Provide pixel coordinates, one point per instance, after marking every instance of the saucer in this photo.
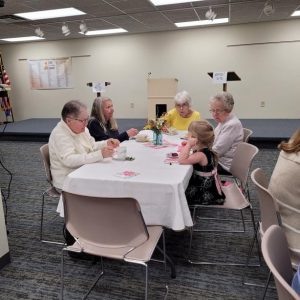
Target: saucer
(119, 158)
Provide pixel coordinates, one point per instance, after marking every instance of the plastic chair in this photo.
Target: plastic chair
(50, 192)
(268, 214)
(112, 228)
(236, 196)
(276, 254)
(247, 134)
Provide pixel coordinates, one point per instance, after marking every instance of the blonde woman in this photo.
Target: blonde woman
(285, 187)
(204, 186)
(102, 124)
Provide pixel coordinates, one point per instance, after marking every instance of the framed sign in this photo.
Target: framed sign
(48, 74)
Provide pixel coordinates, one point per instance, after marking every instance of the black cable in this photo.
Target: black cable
(5, 125)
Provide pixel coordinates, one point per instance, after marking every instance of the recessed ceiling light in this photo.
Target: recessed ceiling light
(167, 2)
(202, 22)
(23, 39)
(51, 13)
(296, 13)
(105, 31)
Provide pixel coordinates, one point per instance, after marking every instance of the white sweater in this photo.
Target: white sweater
(285, 187)
(227, 136)
(69, 151)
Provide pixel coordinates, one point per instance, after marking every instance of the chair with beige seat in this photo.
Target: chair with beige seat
(51, 192)
(247, 134)
(277, 257)
(236, 195)
(112, 228)
(268, 214)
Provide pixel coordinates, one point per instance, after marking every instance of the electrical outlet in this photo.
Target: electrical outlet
(131, 104)
(262, 103)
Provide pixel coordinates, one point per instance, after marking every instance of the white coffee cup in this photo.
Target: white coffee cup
(121, 152)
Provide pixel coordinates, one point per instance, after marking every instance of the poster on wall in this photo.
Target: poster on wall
(48, 74)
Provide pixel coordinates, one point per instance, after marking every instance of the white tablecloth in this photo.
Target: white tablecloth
(159, 187)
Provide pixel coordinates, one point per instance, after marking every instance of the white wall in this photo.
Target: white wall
(270, 71)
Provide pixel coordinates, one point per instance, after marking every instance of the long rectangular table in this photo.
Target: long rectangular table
(158, 186)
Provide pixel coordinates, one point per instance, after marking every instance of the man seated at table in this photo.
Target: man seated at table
(182, 115)
(71, 145)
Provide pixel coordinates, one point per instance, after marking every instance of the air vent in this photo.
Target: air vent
(8, 19)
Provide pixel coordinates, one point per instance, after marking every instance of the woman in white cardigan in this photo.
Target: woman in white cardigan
(285, 187)
(71, 145)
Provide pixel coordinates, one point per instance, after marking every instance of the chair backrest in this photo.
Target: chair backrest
(277, 257)
(242, 160)
(110, 222)
(46, 160)
(267, 206)
(247, 134)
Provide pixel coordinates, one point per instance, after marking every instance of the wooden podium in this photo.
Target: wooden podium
(161, 92)
(231, 76)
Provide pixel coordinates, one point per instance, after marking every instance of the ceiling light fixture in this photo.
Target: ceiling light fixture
(202, 22)
(23, 39)
(296, 13)
(83, 28)
(65, 30)
(168, 2)
(51, 13)
(106, 31)
(39, 32)
(269, 8)
(210, 14)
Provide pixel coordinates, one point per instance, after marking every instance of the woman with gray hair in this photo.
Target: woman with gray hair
(71, 145)
(229, 131)
(182, 115)
(102, 124)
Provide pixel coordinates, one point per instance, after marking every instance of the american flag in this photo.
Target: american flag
(4, 99)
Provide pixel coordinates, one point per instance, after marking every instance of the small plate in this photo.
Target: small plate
(118, 158)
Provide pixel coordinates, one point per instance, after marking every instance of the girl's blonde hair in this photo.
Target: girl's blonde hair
(293, 145)
(204, 132)
(97, 113)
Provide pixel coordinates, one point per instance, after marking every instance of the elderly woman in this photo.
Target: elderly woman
(182, 115)
(102, 124)
(285, 187)
(71, 145)
(229, 131)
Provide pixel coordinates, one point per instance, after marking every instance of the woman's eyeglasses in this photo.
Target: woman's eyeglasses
(83, 121)
(216, 111)
(181, 105)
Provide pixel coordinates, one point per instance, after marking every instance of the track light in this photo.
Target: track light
(2, 3)
(83, 28)
(269, 8)
(65, 29)
(39, 32)
(210, 14)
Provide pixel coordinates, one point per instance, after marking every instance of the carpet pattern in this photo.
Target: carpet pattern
(34, 272)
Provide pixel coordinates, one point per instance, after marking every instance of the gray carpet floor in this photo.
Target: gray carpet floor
(34, 272)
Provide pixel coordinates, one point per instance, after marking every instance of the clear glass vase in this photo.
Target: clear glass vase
(157, 138)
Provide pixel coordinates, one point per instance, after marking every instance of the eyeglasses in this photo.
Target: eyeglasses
(216, 111)
(84, 121)
(181, 105)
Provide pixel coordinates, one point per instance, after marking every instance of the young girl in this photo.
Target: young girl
(204, 186)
